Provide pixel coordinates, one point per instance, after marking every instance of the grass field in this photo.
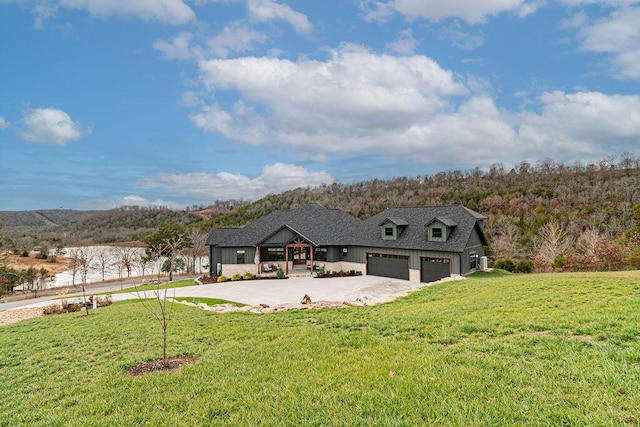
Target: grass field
(495, 349)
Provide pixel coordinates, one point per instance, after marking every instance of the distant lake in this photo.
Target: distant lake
(112, 256)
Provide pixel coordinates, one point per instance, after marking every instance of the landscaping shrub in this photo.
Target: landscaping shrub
(236, 277)
(248, 276)
(523, 266)
(504, 264)
(280, 273)
(222, 279)
(104, 301)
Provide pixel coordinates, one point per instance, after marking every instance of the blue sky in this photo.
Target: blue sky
(105, 103)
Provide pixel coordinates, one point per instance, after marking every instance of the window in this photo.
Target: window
(388, 231)
(344, 252)
(320, 254)
(239, 257)
(275, 254)
(436, 233)
(473, 260)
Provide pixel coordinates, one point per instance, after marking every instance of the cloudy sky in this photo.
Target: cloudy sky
(106, 103)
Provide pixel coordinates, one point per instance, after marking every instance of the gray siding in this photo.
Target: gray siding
(281, 238)
(473, 245)
(230, 256)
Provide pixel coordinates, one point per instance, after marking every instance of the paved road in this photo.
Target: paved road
(370, 289)
(10, 303)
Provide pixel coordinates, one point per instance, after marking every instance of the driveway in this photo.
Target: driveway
(369, 289)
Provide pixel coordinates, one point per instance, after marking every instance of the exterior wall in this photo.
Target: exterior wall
(391, 225)
(414, 275)
(359, 255)
(231, 269)
(230, 256)
(345, 266)
(473, 245)
(282, 237)
(437, 224)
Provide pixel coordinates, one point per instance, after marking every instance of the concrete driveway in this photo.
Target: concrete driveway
(369, 289)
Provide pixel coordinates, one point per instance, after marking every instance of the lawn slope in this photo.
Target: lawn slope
(495, 349)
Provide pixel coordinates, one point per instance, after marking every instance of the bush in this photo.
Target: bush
(505, 264)
(104, 301)
(248, 276)
(236, 277)
(25, 254)
(280, 273)
(222, 279)
(73, 307)
(524, 266)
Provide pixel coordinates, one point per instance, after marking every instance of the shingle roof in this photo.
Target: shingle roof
(415, 236)
(322, 226)
(448, 222)
(400, 222)
(333, 227)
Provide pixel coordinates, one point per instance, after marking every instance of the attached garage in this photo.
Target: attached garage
(434, 269)
(385, 265)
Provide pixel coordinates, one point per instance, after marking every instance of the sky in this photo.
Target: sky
(106, 103)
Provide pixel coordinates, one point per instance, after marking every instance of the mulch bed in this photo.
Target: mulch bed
(172, 364)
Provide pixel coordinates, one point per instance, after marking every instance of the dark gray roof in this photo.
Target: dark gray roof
(414, 235)
(322, 226)
(400, 222)
(448, 222)
(333, 227)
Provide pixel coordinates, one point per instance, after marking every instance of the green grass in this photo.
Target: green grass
(496, 349)
(208, 301)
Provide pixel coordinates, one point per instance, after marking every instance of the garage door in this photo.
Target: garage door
(396, 266)
(434, 269)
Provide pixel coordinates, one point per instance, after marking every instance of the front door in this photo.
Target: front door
(300, 255)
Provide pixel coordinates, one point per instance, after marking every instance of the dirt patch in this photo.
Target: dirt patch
(21, 263)
(18, 315)
(172, 364)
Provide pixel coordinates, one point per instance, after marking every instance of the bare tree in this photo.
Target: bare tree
(103, 261)
(126, 257)
(85, 257)
(196, 250)
(552, 241)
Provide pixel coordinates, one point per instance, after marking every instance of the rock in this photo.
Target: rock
(306, 299)
(264, 305)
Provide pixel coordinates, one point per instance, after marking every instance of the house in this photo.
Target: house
(421, 244)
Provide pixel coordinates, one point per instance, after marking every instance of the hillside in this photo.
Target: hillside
(581, 207)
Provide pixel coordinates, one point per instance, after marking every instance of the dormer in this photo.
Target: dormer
(391, 228)
(439, 229)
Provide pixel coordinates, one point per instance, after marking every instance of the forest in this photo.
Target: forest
(543, 216)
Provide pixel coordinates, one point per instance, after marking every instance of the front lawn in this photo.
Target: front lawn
(496, 349)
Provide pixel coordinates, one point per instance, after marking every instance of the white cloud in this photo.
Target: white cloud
(178, 48)
(403, 107)
(172, 12)
(235, 37)
(619, 36)
(3, 123)
(130, 200)
(50, 125)
(206, 187)
(471, 11)
(582, 123)
(406, 44)
(268, 10)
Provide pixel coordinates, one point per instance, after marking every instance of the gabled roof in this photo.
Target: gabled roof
(333, 227)
(320, 225)
(399, 222)
(448, 222)
(414, 235)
